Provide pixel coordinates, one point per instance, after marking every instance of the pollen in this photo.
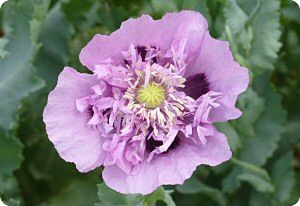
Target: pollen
(153, 95)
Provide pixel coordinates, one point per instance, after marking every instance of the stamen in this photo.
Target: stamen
(154, 99)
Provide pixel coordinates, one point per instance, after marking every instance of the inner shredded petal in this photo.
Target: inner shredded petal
(141, 106)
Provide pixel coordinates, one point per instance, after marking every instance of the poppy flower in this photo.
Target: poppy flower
(147, 109)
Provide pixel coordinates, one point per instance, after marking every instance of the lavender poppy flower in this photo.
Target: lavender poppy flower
(147, 112)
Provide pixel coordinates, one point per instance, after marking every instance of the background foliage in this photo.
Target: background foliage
(39, 37)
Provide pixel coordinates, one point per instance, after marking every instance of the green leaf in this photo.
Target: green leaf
(295, 196)
(268, 127)
(108, 15)
(10, 154)
(291, 136)
(256, 32)
(164, 6)
(291, 12)
(231, 134)
(200, 6)
(110, 197)
(252, 106)
(259, 145)
(159, 194)
(9, 189)
(12, 202)
(260, 184)
(230, 183)
(238, 35)
(259, 199)
(47, 169)
(82, 18)
(194, 186)
(257, 177)
(53, 55)
(236, 18)
(266, 35)
(18, 78)
(10, 160)
(3, 43)
(283, 175)
(78, 193)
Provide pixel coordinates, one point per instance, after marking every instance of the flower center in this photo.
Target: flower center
(153, 95)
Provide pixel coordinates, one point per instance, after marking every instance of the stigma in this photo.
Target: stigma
(152, 95)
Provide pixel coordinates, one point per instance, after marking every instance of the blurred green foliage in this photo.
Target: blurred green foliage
(41, 36)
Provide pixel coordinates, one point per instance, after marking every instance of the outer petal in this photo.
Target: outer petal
(146, 31)
(66, 127)
(223, 74)
(168, 169)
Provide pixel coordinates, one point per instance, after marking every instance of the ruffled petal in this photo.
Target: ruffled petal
(145, 31)
(223, 75)
(171, 168)
(67, 127)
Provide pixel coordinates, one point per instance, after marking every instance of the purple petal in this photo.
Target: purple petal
(67, 127)
(223, 74)
(171, 168)
(145, 31)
